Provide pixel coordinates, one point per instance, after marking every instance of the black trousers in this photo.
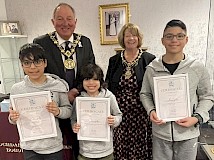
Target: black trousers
(31, 155)
(69, 137)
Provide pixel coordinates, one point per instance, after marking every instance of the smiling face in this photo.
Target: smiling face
(130, 40)
(175, 44)
(91, 86)
(64, 21)
(35, 72)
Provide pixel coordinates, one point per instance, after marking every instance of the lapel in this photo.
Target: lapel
(118, 68)
(79, 54)
(139, 69)
(57, 57)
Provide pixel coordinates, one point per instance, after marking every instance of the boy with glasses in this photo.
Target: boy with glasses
(33, 60)
(178, 139)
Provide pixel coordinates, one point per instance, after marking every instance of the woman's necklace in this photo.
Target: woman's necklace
(130, 65)
(68, 63)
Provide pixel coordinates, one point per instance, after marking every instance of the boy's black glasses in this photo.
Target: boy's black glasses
(36, 63)
(179, 36)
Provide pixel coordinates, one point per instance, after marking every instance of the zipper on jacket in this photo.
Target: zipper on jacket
(172, 131)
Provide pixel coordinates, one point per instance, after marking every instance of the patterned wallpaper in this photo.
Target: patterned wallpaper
(150, 15)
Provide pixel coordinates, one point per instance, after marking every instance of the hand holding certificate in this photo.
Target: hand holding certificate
(34, 122)
(172, 97)
(92, 116)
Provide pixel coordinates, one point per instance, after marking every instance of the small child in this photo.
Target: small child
(32, 57)
(92, 85)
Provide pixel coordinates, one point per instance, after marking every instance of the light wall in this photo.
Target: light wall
(3, 15)
(210, 46)
(150, 15)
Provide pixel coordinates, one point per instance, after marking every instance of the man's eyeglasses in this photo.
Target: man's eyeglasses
(179, 36)
(37, 63)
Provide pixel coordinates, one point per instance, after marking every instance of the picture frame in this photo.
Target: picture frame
(9, 28)
(112, 18)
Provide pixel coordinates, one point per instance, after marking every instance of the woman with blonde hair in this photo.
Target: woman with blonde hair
(132, 139)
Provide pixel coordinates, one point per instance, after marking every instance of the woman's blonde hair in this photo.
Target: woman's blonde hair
(134, 30)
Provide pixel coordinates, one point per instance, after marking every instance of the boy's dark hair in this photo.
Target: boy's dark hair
(91, 71)
(31, 51)
(175, 23)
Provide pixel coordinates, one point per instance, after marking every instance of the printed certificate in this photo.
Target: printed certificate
(172, 97)
(92, 116)
(35, 122)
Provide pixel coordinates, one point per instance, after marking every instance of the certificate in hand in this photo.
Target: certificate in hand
(34, 122)
(172, 97)
(92, 116)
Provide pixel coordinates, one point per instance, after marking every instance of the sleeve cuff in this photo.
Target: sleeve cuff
(151, 111)
(198, 116)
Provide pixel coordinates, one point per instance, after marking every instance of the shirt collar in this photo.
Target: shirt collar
(61, 41)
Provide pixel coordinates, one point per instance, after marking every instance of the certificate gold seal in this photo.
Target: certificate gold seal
(69, 64)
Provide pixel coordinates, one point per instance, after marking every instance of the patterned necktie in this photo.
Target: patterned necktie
(69, 73)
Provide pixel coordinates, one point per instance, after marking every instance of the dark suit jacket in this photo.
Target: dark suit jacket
(84, 56)
(115, 70)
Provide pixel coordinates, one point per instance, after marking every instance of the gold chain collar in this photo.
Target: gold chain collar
(68, 63)
(129, 65)
(73, 45)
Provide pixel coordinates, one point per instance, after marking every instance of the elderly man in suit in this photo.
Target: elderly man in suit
(66, 53)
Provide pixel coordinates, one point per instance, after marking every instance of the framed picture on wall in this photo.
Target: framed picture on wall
(9, 28)
(112, 18)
